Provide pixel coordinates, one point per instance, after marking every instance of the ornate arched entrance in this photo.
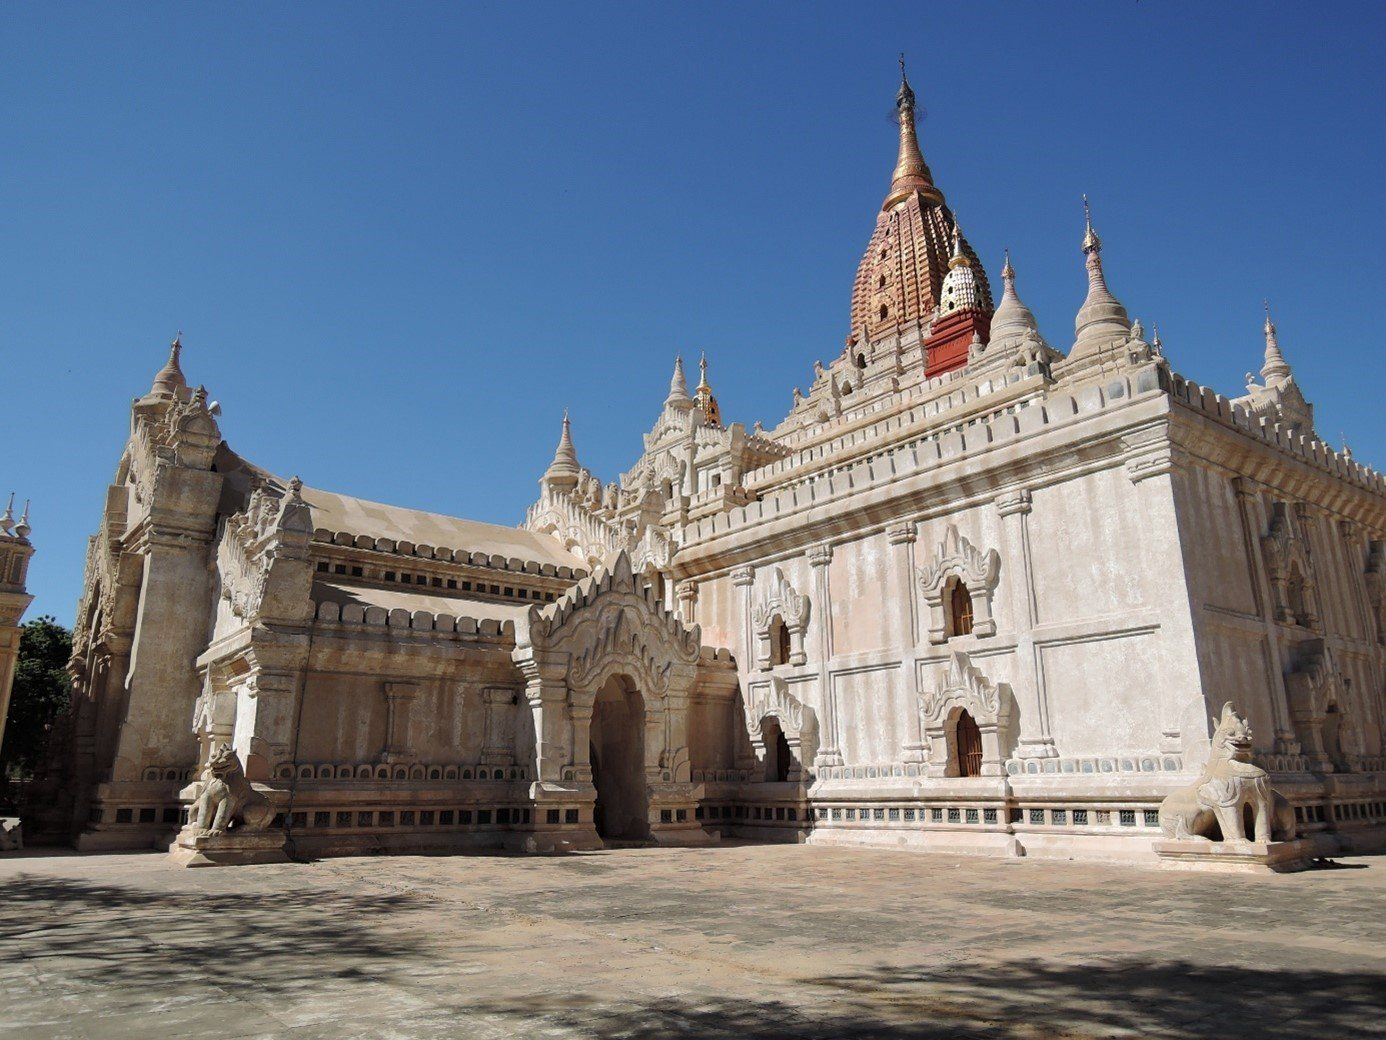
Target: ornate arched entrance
(616, 748)
(608, 677)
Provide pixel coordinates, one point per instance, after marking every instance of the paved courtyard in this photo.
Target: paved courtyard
(750, 942)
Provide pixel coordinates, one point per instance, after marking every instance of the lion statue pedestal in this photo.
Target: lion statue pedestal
(228, 821)
(1230, 818)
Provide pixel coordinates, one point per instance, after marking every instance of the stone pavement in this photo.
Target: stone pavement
(751, 942)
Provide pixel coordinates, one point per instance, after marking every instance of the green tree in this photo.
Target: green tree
(42, 691)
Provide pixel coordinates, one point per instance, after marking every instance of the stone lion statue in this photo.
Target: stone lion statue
(227, 797)
(1230, 793)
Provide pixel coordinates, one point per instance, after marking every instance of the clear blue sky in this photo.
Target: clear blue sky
(400, 239)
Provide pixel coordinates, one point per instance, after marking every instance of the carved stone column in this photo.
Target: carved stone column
(1015, 507)
(687, 594)
(265, 718)
(1286, 741)
(902, 537)
(498, 705)
(580, 710)
(743, 578)
(399, 697)
(819, 557)
(546, 693)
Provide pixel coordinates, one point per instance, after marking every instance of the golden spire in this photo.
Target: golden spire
(959, 258)
(911, 172)
(703, 396)
(1091, 243)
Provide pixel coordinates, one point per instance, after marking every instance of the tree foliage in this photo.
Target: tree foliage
(41, 693)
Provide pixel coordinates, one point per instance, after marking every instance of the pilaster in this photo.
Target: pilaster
(819, 557)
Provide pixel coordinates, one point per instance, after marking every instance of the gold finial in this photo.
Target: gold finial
(1091, 243)
(1007, 271)
(911, 172)
(959, 258)
(1269, 325)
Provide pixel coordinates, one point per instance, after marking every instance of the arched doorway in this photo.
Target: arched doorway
(778, 758)
(967, 738)
(617, 755)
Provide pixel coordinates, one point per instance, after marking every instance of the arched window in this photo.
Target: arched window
(861, 360)
(967, 741)
(885, 312)
(779, 642)
(959, 610)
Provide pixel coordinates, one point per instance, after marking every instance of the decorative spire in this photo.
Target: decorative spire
(1091, 243)
(7, 521)
(911, 172)
(1276, 369)
(959, 289)
(22, 528)
(1012, 319)
(678, 387)
(959, 258)
(704, 398)
(1102, 318)
(169, 380)
(563, 470)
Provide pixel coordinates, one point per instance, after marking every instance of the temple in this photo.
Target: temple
(980, 590)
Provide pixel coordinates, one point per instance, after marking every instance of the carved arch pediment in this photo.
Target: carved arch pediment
(609, 624)
(780, 600)
(963, 687)
(1288, 567)
(771, 699)
(955, 558)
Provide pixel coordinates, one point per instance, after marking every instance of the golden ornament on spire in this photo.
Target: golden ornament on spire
(911, 172)
(703, 398)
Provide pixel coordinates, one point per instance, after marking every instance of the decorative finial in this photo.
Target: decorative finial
(7, 520)
(1347, 451)
(1276, 367)
(678, 386)
(295, 486)
(959, 258)
(911, 173)
(1007, 271)
(22, 528)
(563, 470)
(1155, 343)
(1091, 243)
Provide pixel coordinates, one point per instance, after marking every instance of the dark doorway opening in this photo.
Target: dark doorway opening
(617, 755)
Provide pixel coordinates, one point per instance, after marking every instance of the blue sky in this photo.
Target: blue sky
(401, 239)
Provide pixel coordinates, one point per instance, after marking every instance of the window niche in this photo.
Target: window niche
(780, 620)
(967, 722)
(958, 585)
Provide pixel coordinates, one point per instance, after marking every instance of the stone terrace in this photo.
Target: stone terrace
(751, 942)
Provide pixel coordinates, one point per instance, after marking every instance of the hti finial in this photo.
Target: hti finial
(1007, 271)
(1091, 243)
(905, 98)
